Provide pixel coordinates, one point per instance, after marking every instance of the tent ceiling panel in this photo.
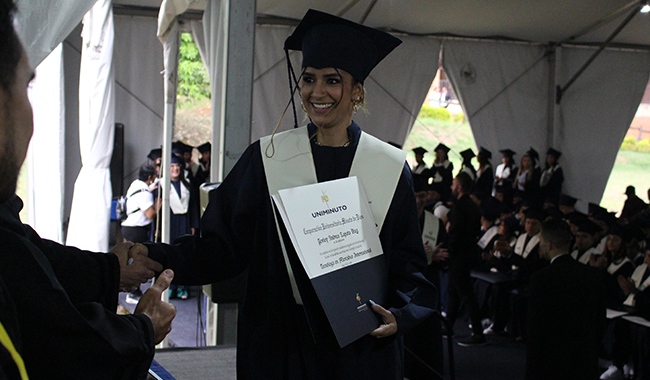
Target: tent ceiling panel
(549, 21)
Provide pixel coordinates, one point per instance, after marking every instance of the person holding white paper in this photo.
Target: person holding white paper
(283, 330)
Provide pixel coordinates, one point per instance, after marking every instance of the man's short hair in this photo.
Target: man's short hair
(558, 233)
(10, 48)
(465, 182)
(146, 171)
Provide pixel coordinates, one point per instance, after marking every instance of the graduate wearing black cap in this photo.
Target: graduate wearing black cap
(442, 170)
(284, 332)
(585, 241)
(155, 156)
(506, 171)
(484, 174)
(421, 166)
(552, 176)
(527, 178)
(467, 166)
(203, 172)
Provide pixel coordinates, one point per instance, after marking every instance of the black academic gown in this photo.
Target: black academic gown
(8, 366)
(484, 181)
(65, 301)
(553, 188)
(566, 313)
(274, 336)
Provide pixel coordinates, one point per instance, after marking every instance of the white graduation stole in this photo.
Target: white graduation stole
(584, 259)
(430, 230)
(179, 205)
(438, 178)
(471, 175)
(525, 251)
(613, 267)
(547, 174)
(487, 236)
(377, 165)
(637, 276)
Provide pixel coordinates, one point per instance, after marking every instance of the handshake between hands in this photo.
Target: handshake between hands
(136, 268)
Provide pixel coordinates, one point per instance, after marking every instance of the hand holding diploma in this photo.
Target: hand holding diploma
(389, 325)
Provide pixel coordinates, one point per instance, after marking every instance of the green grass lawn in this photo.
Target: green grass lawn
(631, 168)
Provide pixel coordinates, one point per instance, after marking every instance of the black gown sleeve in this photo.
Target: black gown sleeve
(413, 296)
(228, 228)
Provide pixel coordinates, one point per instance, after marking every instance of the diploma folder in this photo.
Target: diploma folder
(335, 237)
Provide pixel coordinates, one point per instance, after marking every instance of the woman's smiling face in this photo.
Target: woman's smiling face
(327, 95)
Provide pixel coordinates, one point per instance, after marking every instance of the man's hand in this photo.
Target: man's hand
(626, 284)
(161, 313)
(135, 266)
(389, 327)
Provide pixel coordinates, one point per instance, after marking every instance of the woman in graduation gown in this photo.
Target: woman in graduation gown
(280, 337)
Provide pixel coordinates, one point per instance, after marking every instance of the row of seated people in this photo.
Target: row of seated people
(509, 248)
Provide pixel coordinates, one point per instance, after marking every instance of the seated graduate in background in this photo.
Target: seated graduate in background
(614, 263)
(58, 303)
(566, 312)
(283, 330)
(625, 342)
(585, 240)
(423, 344)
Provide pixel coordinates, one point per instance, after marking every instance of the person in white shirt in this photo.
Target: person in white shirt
(140, 211)
(140, 207)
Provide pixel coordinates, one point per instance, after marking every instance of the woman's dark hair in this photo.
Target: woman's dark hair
(146, 170)
(10, 48)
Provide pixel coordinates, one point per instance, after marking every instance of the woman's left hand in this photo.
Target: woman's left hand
(389, 327)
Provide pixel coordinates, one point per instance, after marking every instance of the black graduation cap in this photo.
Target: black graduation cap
(567, 200)
(554, 213)
(205, 147)
(179, 147)
(176, 159)
(467, 154)
(484, 152)
(507, 153)
(576, 218)
(532, 153)
(419, 150)
(512, 224)
(589, 227)
(554, 153)
(619, 230)
(155, 154)
(330, 41)
(535, 213)
(443, 147)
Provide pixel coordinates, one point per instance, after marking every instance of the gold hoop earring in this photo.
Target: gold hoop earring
(303, 107)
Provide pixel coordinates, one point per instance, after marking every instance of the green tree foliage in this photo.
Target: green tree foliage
(193, 82)
(631, 144)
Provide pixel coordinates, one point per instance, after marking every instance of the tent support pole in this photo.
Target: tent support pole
(561, 90)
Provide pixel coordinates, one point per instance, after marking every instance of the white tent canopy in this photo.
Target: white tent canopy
(505, 60)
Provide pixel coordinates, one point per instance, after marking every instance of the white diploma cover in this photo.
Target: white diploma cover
(333, 231)
(330, 225)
